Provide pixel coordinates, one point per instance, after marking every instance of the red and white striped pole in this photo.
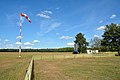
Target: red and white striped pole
(20, 37)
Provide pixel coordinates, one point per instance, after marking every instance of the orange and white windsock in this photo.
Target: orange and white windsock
(26, 16)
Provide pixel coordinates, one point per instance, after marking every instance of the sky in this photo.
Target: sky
(55, 23)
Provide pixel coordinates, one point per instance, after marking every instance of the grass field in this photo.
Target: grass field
(60, 66)
(12, 67)
(93, 68)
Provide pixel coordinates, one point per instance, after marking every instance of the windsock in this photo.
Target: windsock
(26, 16)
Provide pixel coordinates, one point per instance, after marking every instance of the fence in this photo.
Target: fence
(28, 75)
(63, 56)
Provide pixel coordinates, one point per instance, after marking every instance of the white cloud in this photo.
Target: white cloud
(49, 12)
(101, 28)
(28, 44)
(57, 33)
(40, 34)
(28, 47)
(18, 43)
(70, 44)
(74, 27)
(36, 41)
(36, 48)
(48, 26)
(113, 16)
(53, 26)
(49, 42)
(96, 35)
(101, 21)
(6, 40)
(9, 46)
(19, 37)
(57, 8)
(44, 16)
(65, 37)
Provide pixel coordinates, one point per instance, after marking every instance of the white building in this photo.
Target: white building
(92, 51)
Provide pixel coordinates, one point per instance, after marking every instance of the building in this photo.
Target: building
(92, 51)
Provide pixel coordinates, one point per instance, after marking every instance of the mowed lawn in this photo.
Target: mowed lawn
(12, 67)
(89, 68)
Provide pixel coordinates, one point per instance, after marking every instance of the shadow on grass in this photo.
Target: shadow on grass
(32, 75)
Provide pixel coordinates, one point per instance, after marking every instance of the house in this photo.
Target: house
(92, 51)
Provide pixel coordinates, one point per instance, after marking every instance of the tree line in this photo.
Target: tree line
(67, 49)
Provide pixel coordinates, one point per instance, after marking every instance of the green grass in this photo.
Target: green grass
(87, 68)
(12, 67)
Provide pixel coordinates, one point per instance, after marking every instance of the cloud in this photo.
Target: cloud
(28, 44)
(28, 47)
(66, 37)
(49, 42)
(9, 46)
(101, 21)
(45, 14)
(101, 28)
(57, 33)
(36, 41)
(6, 40)
(49, 12)
(57, 8)
(18, 43)
(53, 26)
(6, 44)
(19, 37)
(70, 44)
(75, 27)
(48, 26)
(96, 35)
(113, 16)
(39, 34)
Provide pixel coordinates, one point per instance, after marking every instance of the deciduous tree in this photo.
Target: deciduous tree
(95, 43)
(81, 40)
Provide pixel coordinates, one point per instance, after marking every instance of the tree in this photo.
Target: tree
(81, 41)
(95, 43)
(111, 37)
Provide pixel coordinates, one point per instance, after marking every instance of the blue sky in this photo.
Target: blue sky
(55, 23)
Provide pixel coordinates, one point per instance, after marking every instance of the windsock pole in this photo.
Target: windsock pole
(20, 45)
